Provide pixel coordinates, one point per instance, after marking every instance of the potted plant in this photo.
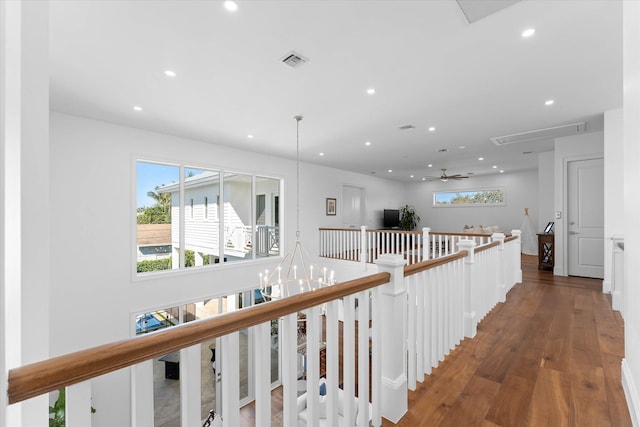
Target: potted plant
(408, 218)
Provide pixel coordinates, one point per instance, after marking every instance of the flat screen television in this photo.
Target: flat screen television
(391, 218)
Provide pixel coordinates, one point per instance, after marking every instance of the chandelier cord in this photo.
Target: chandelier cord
(298, 118)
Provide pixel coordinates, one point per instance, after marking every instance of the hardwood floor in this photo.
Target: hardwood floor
(549, 356)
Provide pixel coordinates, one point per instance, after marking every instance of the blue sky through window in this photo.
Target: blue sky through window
(149, 176)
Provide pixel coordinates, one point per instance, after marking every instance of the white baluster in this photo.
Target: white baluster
(262, 345)
(363, 359)
(78, 404)
(313, 364)
(376, 356)
(332, 362)
(420, 285)
(230, 379)
(190, 385)
(348, 360)
(288, 347)
(411, 331)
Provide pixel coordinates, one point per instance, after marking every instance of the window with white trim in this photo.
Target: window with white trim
(190, 217)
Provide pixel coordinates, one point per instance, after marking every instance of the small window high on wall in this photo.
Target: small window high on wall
(459, 198)
(190, 217)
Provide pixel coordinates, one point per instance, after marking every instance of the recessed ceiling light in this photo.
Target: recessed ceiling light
(250, 136)
(549, 102)
(390, 170)
(368, 143)
(371, 91)
(137, 108)
(424, 179)
(495, 167)
(501, 171)
(170, 73)
(410, 176)
(321, 154)
(462, 147)
(230, 5)
(429, 165)
(431, 129)
(528, 32)
(480, 158)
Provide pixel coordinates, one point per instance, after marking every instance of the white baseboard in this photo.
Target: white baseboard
(606, 287)
(631, 393)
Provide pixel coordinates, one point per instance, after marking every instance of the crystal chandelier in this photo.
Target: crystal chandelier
(288, 279)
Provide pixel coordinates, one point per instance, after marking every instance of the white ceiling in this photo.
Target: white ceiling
(428, 65)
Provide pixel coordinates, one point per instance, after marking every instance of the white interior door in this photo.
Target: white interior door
(585, 219)
(353, 206)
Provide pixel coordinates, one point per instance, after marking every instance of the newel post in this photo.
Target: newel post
(501, 265)
(363, 247)
(394, 338)
(469, 297)
(517, 266)
(425, 243)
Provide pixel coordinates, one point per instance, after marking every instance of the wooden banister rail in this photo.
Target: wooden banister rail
(49, 375)
(432, 263)
(487, 246)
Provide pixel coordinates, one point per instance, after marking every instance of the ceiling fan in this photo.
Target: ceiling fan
(444, 177)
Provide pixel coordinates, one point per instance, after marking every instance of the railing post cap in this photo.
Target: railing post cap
(516, 232)
(467, 243)
(497, 236)
(426, 229)
(390, 260)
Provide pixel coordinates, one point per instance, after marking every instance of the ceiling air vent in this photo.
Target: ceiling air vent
(554, 132)
(294, 60)
(407, 127)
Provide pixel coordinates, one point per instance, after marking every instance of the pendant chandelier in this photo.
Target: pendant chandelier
(294, 274)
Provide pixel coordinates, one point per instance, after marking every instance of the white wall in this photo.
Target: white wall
(546, 178)
(24, 164)
(613, 190)
(93, 291)
(519, 188)
(570, 148)
(631, 136)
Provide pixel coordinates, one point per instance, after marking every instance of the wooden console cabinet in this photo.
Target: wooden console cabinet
(545, 251)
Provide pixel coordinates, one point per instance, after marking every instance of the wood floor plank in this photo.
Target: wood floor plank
(586, 344)
(511, 404)
(588, 396)
(618, 410)
(551, 400)
(474, 401)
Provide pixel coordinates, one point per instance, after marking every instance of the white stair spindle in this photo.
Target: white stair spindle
(363, 359)
(332, 362)
(262, 345)
(376, 357)
(348, 361)
(230, 379)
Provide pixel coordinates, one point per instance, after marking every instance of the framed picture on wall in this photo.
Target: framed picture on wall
(331, 206)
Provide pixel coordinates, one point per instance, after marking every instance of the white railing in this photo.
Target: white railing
(365, 246)
(446, 303)
(437, 303)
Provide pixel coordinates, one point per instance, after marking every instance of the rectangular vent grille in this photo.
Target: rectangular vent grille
(294, 60)
(407, 127)
(554, 132)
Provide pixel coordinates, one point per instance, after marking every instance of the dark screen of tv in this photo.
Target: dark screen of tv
(391, 218)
